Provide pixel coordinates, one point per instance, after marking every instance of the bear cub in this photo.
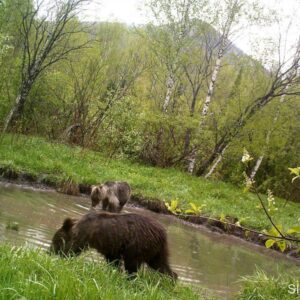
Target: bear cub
(112, 195)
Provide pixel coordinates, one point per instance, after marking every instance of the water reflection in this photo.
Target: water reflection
(198, 256)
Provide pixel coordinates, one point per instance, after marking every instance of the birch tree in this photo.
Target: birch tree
(197, 69)
(230, 18)
(267, 140)
(169, 38)
(277, 114)
(47, 36)
(284, 81)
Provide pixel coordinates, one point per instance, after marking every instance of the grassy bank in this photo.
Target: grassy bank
(263, 287)
(33, 274)
(39, 157)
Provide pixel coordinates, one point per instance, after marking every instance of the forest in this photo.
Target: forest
(174, 93)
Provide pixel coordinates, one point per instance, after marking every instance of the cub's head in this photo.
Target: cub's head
(98, 193)
(62, 239)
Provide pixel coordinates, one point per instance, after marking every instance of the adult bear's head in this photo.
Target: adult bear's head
(62, 240)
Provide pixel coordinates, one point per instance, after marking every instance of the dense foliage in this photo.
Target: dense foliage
(140, 92)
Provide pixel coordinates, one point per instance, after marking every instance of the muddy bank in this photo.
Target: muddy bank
(227, 226)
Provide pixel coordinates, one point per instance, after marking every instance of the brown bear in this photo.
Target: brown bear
(134, 238)
(112, 195)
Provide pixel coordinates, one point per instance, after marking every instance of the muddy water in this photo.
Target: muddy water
(200, 257)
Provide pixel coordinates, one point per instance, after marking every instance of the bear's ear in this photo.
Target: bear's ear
(68, 224)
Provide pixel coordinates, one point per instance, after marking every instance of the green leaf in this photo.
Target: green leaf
(292, 230)
(222, 217)
(273, 231)
(282, 245)
(189, 211)
(174, 204)
(295, 171)
(193, 206)
(269, 243)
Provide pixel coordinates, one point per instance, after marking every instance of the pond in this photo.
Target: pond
(212, 260)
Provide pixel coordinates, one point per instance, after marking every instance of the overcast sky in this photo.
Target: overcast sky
(131, 12)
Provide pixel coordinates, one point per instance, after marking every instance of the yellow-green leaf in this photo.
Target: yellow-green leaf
(292, 230)
(273, 231)
(269, 243)
(174, 204)
(295, 171)
(281, 245)
(222, 217)
(193, 206)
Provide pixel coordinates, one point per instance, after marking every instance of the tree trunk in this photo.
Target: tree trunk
(215, 164)
(170, 84)
(187, 141)
(219, 149)
(211, 86)
(208, 99)
(192, 161)
(18, 108)
(256, 167)
(188, 133)
(170, 88)
(260, 159)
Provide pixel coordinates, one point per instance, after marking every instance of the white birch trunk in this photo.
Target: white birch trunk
(215, 164)
(170, 89)
(217, 67)
(211, 86)
(256, 167)
(260, 159)
(18, 107)
(266, 146)
(192, 160)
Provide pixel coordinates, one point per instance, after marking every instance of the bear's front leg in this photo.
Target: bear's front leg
(131, 266)
(114, 261)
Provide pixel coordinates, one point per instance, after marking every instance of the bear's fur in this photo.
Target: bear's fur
(112, 195)
(134, 238)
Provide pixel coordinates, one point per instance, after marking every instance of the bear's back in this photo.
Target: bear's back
(107, 231)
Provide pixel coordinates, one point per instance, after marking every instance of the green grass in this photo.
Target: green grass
(263, 287)
(33, 274)
(37, 156)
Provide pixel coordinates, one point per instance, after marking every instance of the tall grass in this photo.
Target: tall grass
(60, 162)
(263, 287)
(33, 274)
